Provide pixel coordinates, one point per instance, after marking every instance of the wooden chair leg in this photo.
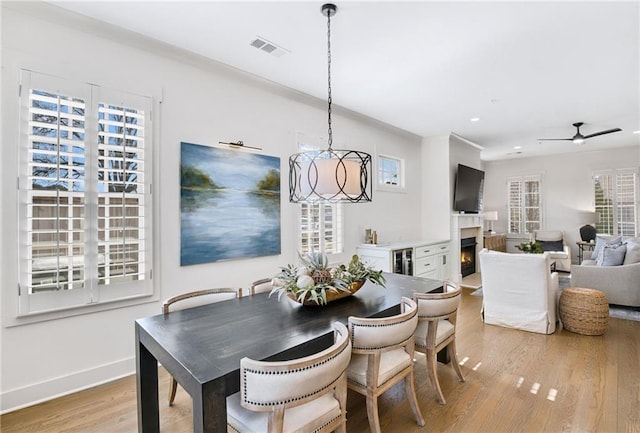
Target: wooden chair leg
(410, 390)
(172, 391)
(372, 414)
(454, 359)
(432, 365)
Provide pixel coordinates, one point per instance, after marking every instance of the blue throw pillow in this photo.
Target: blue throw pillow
(601, 242)
(612, 255)
(551, 245)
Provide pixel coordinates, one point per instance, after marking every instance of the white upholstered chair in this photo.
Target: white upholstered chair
(552, 241)
(519, 291)
(437, 313)
(260, 286)
(382, 355)
(302, 395)
(194, 299)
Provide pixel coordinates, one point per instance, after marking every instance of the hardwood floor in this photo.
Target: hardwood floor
(515, 382)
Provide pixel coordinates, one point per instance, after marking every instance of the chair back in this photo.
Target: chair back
(436, 306)
(548, 235)
(384, 333)
(265, 385)
(519, 290)
(200, 297)
(260, 286)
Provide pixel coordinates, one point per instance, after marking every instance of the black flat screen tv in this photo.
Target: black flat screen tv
(467, 196)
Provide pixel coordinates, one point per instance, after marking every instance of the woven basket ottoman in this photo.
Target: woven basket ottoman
(584, 311)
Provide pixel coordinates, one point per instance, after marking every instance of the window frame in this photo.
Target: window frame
(615, 207)
(400, 174)
(34, 307)
(522, 223)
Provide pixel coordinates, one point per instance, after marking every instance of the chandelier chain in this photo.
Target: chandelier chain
(330, 131)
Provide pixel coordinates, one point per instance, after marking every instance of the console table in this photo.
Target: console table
(201, 347)
(496, 242)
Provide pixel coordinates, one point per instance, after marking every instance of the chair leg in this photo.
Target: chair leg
(410, 390)
(372, 414)
(454, 359)
(172, 391)
(432, 365)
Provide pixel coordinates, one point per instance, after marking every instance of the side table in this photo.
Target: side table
(581, 248)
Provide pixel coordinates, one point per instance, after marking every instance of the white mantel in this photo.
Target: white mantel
(472, 226)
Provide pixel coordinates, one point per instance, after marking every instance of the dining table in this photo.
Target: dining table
(201, 347)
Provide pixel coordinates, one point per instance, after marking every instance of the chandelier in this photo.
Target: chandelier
(331, 175)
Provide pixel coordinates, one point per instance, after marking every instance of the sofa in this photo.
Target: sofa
(519, 291)
(618, 280)
(552, 241)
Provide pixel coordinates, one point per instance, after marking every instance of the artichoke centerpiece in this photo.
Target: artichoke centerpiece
(315, 283)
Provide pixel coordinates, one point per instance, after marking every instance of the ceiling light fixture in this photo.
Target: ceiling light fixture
(474, 119)
(636, 132)
(330, 175)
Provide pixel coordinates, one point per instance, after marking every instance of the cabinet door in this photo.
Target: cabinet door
(426, 265)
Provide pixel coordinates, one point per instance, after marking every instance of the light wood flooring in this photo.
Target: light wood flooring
(515, 382)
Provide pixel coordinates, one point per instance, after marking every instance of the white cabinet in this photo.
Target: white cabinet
(432, 261)
(428, 259)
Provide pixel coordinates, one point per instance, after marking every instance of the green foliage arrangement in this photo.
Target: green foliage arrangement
(531, 247)
(313, 280)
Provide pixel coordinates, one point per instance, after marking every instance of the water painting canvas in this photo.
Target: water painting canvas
(229, 204)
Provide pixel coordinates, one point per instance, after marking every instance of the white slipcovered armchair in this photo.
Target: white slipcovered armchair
(561, 254)
(519, 291)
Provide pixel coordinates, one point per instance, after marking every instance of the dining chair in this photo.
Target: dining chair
(194, 299)
(382, 355)
(260, 286)
(302, 395)
(437, 329)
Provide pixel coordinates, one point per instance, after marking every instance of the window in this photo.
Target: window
(616, 201)
(85, 195)
(525, 204)
(320, 223)
(390, 173)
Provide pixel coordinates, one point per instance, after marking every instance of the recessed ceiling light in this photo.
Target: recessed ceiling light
(474, 119)
(636, 132)
(517, 147)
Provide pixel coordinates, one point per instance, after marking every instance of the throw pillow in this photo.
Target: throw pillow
(551, 245)
(601, 241)
(612, 255)
(633, 253)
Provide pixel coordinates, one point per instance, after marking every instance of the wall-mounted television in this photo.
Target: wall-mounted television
(467, 196)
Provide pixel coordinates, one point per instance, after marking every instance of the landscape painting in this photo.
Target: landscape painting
(229, 204)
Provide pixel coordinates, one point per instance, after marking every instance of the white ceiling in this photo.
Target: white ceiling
(528, 69)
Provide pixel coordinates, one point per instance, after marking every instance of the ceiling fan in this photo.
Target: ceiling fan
(579, 138)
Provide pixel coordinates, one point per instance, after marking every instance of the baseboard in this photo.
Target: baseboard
(43, 391)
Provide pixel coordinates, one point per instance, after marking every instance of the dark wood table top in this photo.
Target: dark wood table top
(202, 344)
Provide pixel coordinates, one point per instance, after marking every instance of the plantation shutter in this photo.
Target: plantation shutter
(85, 195)
(616, 202)
(524, 204)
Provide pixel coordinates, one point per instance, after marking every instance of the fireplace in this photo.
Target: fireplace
(467, 256)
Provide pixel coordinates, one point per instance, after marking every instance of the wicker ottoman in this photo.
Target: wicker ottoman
(584, 311)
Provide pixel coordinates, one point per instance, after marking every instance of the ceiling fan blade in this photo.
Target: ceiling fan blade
(555, 139)
(608, 131)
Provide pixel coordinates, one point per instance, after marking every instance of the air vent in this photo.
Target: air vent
(268, 47)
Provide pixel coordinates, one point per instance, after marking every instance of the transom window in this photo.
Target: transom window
(390, 173)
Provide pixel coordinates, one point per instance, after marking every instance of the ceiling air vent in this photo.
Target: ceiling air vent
(268, 47)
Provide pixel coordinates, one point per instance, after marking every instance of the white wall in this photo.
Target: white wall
(567, 184)
(202, 102)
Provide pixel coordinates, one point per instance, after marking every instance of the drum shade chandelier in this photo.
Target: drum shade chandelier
(331, 175)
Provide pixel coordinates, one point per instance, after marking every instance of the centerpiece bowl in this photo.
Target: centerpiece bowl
(315, 283)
